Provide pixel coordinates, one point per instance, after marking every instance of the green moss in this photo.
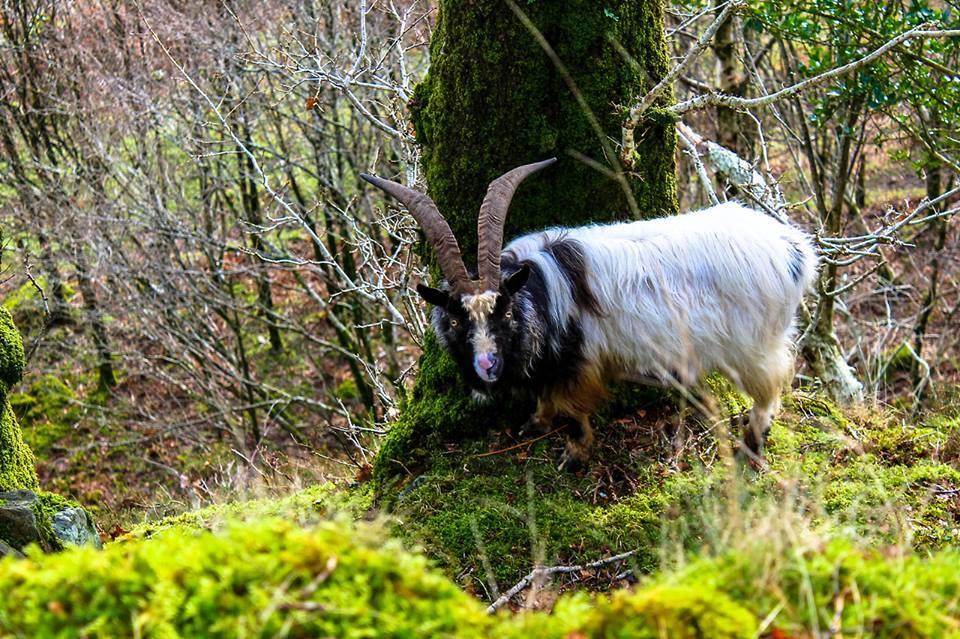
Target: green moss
(303, 506)
(492, 518)
(729, 400)
(686, 612)
(347, 390)
(439, 409)
(869, 469)
(46, 411)
(47, 505)
(864, 471)
(11, 352)
(270, 578)
(280, 578)
(16, 461)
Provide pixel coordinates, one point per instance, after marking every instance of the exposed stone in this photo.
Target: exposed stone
(49, 521)
(9, 551)
(74, 527)
(18, 520)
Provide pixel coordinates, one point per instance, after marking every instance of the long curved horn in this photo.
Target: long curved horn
(493, 214)
(438, 232)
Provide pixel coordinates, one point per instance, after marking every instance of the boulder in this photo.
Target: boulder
(73, 526)
(9, 551)
(50, 521)
(19, 523)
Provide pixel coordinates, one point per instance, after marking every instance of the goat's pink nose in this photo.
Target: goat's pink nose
(486, 361)
(488, 366)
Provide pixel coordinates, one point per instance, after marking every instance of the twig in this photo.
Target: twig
(36, 285)
(520, 445)
(539, 573)
(734, 102)
(633, 119)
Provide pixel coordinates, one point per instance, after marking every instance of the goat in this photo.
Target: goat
(564, 311)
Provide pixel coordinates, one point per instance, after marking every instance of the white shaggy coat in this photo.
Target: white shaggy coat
(682, 296)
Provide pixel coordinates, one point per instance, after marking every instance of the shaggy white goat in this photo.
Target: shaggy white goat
(565, 311)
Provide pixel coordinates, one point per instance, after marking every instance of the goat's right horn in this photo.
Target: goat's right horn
(438, 232)
(493, 215)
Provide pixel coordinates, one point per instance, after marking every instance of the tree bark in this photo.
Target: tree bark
(732, 126)
(493, 100)
(106, 377)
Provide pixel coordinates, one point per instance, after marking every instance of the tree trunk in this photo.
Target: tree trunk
(732, 126)
(920, 372)
(106, 377)
(493, 100)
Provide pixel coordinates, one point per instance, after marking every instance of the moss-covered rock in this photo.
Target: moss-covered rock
(16, 460)
(48, 520)
(21, 520)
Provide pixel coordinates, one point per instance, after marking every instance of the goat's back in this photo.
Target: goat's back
(713, 289)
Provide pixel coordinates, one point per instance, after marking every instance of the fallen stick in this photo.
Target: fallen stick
(541, 572)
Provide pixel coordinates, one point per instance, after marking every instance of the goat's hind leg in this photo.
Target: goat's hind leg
(764, 385)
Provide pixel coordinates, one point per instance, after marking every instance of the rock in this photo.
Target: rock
(74, 527)
(48, 520)
(9, 551)
(18, 520)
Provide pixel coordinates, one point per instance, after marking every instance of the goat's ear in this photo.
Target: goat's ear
(516, 280)
(434, 296)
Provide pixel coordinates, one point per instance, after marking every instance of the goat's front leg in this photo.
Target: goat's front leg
(541, 420)
(579, 447)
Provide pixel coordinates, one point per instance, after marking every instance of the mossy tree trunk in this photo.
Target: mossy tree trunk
(17, 469)
(493, 100)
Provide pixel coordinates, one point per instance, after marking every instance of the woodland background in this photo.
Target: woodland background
(215, 308)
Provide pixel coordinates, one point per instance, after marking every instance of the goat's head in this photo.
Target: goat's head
(475, 318)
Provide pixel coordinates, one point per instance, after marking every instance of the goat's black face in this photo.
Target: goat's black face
(482, 332)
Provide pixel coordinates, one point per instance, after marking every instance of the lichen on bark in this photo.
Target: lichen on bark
(493, 100)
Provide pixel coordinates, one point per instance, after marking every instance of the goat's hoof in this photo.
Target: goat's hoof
(532, 428)
(749, 453)
(571, 462)
(741, 420)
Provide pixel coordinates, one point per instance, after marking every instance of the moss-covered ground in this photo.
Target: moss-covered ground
(489, 516)
(849, 528)
(489, 510)
(277, 576)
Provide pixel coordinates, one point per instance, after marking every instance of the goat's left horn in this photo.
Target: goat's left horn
(438, 232)
(493, 214)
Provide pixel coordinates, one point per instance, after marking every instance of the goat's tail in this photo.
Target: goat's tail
(803, 260)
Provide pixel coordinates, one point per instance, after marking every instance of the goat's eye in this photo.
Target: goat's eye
(508, 314)
(454, 323)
